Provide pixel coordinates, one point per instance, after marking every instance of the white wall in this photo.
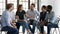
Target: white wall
(56, 7)
(55, 4)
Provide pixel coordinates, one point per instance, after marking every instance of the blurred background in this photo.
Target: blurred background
(26, 4)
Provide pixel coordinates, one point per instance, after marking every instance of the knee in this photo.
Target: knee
(16, 30)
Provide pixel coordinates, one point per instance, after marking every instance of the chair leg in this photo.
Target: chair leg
(59, 30)
(51, 31)
(54, 30)
(4, 32)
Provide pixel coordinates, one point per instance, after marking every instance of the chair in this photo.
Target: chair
(2, 32)
(55, 29)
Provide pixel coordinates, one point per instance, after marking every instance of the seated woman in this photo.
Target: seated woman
(42, 19)
(20, 16)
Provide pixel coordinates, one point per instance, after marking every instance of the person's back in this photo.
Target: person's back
(6, 20)
(4, 17)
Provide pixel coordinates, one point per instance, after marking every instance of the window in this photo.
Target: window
(2, 6)
(24, 3)
(15, 4)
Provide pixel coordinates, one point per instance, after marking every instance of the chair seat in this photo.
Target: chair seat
(3, 32)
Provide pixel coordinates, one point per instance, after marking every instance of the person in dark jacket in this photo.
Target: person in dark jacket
(42, 19)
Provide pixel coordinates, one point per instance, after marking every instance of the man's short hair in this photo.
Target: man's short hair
(8, 6)
(49, 7)
(33, 4)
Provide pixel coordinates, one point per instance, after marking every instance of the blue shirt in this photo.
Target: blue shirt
(49, 16)
(6, 18)
(55, 20)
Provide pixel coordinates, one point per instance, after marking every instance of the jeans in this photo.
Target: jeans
(41, 28)
(51, 25)
(32, 22)
(24, 24)
(10, 30)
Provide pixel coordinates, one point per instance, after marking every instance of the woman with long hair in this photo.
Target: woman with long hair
(20, 16)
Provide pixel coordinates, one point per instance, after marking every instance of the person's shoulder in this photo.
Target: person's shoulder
(28, 10)
(3, 13)
(6, 11)
(52, 12)
(45, 12)
(17, 11)
(40, 12)
(35, 10)
(23, 11)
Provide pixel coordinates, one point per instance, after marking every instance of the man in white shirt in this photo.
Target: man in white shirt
(33, 17)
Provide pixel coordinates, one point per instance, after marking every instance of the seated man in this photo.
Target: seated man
(49, 18)
(6, 20)
(53, 24)
(33, 15)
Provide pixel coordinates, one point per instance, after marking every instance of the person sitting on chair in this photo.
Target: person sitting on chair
(33, 14)
(42, 19)
(49, 18)
(6, 20)
(20, 19)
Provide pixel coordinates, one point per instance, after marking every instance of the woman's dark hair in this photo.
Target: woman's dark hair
(8, 6)
(44, 7)
(18, 8)
(49, 7)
